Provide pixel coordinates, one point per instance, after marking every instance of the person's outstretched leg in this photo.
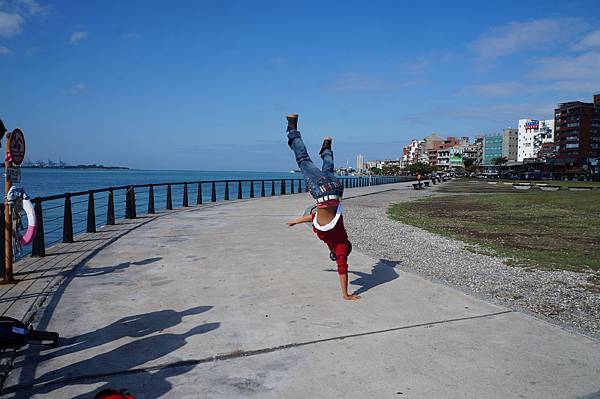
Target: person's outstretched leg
(306, 165)
(327, 155)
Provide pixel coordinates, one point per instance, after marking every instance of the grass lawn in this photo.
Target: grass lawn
(536, 229)
(483, 186)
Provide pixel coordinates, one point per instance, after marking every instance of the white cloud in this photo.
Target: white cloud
(569, 86)
(498, 89)
(77, 89)
(589, 41)
(130, 35)
(504, 112)
(77, 37)
(279, 60)
(31, 7)
(4, 50)
(10, 24)
(569, 73)
(518, 36)
(352, 81)
(419, 65)
(579, 67)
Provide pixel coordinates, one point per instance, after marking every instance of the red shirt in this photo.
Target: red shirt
(337, 241)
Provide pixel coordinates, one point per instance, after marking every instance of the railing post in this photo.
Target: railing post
(169, 204)
(133, 203)
(151, 209)
(262, 188)
(199, 197)
(251, 188)
(127, 203)
(346, 183)
(292, 190)
(185, 195)
(67, 220)
(226, 190)
(91, 214)
(110, 208)
(213, 193)
(239, 189)
(38, 248)
(272, 188)
(282, 186)
(130, 203)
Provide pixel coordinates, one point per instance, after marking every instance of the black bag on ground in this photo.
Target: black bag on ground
(15, 334)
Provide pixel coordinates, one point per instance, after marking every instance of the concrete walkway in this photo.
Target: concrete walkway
(226, 301)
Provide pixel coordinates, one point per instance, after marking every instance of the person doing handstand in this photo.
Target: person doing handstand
(327, 190)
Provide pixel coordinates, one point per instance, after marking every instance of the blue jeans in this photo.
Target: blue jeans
(320, 182)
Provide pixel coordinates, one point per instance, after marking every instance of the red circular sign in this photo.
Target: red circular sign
(17, 146)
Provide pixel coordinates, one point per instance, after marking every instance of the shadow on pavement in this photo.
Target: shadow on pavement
(98, 271)
(108, 366)
(111, 365)
(132, 326)
(383, 272)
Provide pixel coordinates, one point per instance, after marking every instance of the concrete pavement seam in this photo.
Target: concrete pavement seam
(240, 353)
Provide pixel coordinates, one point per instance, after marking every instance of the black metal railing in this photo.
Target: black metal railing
(60, 218)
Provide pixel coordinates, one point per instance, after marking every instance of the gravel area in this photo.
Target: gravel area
(556, 296)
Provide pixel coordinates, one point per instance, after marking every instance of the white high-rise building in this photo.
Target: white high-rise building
(532, 134)
(360, 163)
(411, 153)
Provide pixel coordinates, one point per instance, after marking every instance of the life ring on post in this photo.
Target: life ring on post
(19, 198)
(29, 209)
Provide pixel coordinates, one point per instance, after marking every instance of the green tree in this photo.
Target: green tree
(391, 170)
(469, 164)
(419, 167)
(499, 161)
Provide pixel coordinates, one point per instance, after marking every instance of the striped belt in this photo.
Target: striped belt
(331, 186)
(328, 198)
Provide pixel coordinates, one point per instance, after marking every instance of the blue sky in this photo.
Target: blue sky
(206, 85)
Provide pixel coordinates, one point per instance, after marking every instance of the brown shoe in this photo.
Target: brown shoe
(292, 122)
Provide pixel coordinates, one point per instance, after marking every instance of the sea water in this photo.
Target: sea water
(38, 182)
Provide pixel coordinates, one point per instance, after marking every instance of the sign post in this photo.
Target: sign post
(8, 248)
(15, 153)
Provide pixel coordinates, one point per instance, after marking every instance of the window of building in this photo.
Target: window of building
(568, 146)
